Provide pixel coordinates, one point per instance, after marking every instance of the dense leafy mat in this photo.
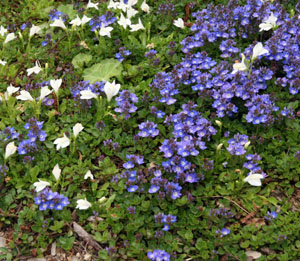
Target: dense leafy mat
(150, 130)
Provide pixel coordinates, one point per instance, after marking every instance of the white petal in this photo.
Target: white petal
(111, 89)
(56, 171)
(10, 37)
(83, 204)
(145, 7)
(62, 142)
(55, 84)
(25, 96)
(254, 179)
(89, 175)
(179, 23)
(39, 186)
(11, 89)
(77, 128)
(34, 30)
(58, 23)
(91, 5)
(44, 92)
(10, 149)
(87, 95)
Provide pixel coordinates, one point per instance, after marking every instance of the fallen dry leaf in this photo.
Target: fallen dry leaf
(253, 254)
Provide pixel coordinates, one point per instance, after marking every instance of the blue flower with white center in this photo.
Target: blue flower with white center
(153, 189)
(132, 188)
(128, 165)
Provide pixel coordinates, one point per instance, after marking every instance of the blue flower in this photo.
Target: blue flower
(153, 189)
(132, 188)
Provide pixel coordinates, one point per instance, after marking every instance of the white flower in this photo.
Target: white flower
(111, 89)
(131, 12)
(136, 27)
(59, 23)
(112, 4)
(105, 31)
(269, 23)
(254, 179)
(76, 21)
(240, 66)
(83, 204)
(77, 128)
(25, 96)
(89, 175)
(10, 149)
(10, 90)
(122, 6)
(55, 84)
(179, 23)
(2, 30)
(44, 92)
(85, 20)
(62, 142)
(3, 62)
(91, 5)
(10, 37)
(87, 95)
(131, 3)
(56, 171)
(39, 186)
(258, 50)
(34, 30)
(124, 21)
(145, 7)
(36, 69)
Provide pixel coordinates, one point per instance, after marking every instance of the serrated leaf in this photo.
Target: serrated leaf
(103, 71)
(80, 59)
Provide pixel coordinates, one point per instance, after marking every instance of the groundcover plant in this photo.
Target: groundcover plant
(149, 130)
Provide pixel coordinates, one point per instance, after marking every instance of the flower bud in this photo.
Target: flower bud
(219, 146)
(102, 200)
(218, 123)
(247, 145)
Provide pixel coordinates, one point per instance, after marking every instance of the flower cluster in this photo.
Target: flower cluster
(260, 109)
(252, 163)
(97, 88)
(102, 21)
(236, 144)
(221, 212)
(125, 103)
(47, 199)
(158, 113)
(34, 134)
(48, 40)
(123, 52)
(9, 133)
(158, 254)
(148, 129)
(165, 219)
(111, 145)
(215, 81)
(55, 14)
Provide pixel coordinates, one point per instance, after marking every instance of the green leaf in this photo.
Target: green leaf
(80, 59)
(103, 71)
(57, 225)
(66, 242)
(67, 9)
